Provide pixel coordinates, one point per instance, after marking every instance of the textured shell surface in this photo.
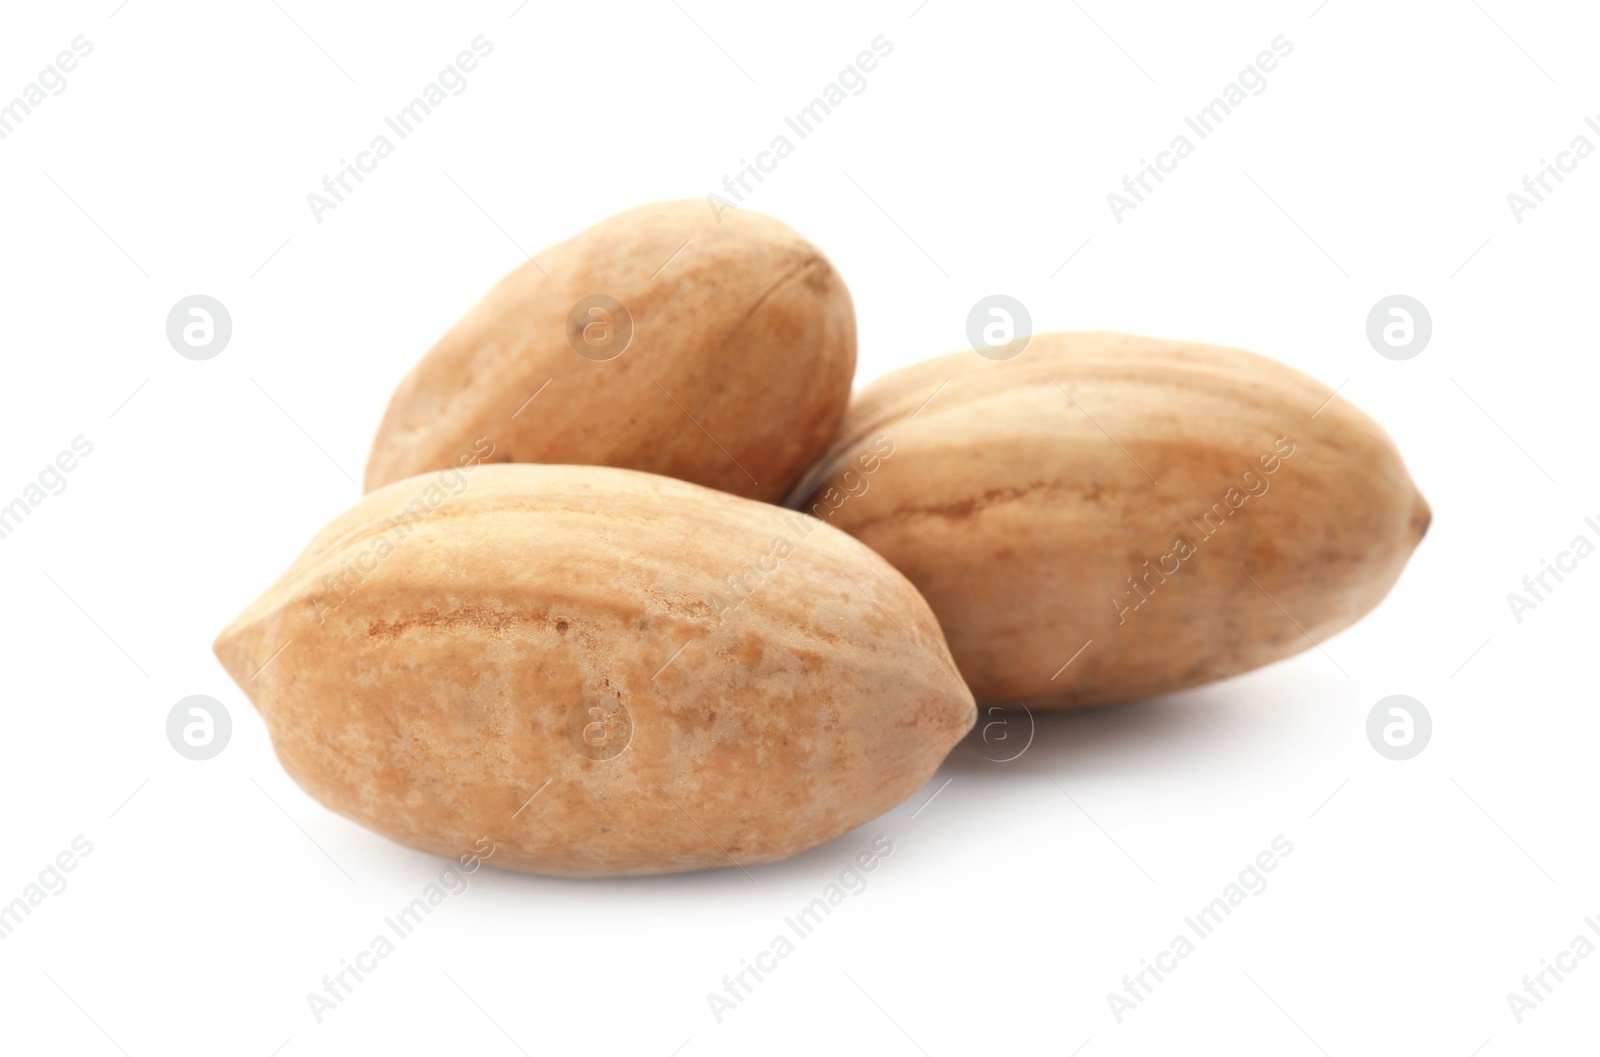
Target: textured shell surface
(1108, 517)
(718, 350)
(597, 670)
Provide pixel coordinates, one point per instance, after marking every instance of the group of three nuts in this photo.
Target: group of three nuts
(549, 657)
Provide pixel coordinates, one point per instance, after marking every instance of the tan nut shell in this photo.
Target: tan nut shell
(439, 696)
(1026, 492)
(737, 374)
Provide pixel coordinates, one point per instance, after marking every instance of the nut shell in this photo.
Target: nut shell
(1024, 498)
(457, 644)
(728, 364)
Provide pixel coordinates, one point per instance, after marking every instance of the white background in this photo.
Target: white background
(977, 161)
